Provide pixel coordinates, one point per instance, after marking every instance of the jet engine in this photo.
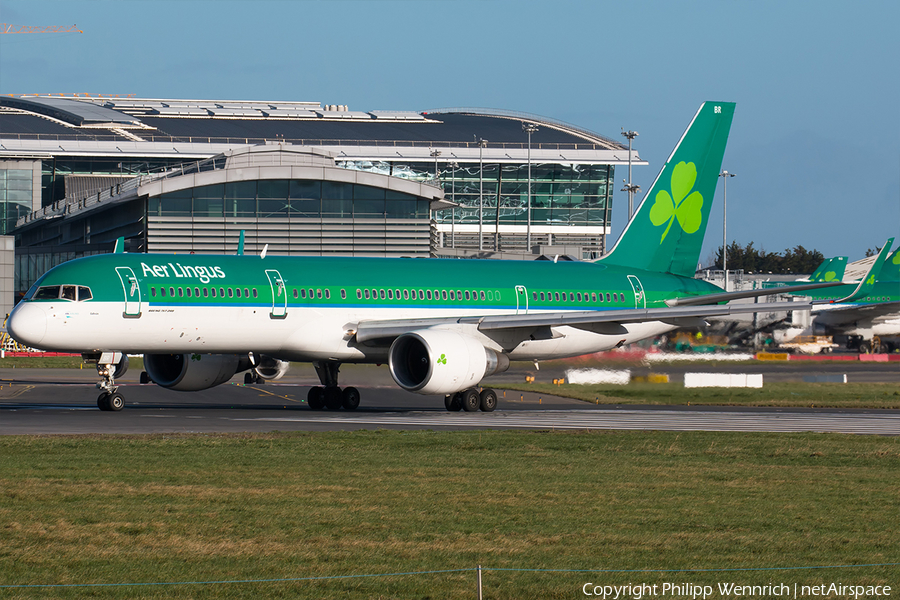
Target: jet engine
(268, 368)
(193, 372)
(434, 361)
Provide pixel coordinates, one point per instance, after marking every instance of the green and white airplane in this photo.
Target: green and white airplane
(441, 325)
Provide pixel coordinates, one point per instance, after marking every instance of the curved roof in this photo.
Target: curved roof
(297, 123)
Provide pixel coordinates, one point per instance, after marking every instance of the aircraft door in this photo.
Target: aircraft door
(279, 294)
(132, 292)
(521, 300)
(639, 300)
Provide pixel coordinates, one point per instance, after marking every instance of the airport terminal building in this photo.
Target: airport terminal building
(76, 173)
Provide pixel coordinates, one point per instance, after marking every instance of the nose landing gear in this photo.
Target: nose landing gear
(109, 366)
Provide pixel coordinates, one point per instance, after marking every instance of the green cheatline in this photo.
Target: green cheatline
(326, 577)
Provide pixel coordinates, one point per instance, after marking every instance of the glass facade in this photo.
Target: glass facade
(561, 194)
(289, 198)
(15, 196)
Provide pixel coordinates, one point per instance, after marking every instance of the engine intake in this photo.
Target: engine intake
(435, 361)
(192, 372)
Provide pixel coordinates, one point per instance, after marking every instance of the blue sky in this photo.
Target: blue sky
(816, 137)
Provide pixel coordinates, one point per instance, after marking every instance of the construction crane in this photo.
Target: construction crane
(7, 28)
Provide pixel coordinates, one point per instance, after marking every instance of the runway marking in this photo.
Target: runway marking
(624, 419)
(16, 392)
(266, 392)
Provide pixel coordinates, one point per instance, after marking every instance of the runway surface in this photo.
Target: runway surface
(41, 402)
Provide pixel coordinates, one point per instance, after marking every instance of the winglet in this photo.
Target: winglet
(240, 251)
(120, 246)
(868, 282)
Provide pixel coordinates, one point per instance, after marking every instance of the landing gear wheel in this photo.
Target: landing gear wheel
(316, 398)
(471, 400)
(333, 399)
(249, 378)
(115, 402)
(144, 377)
(488, 400)
(103, 401)
(350, 398)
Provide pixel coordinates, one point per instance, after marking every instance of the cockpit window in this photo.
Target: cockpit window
(65, 292)
(47, 292)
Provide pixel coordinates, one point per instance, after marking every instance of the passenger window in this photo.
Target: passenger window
(412, 294)
(172, 292)
(374, 294)
(607, 296)
(542, 295)
(327, 294)
(230, 293)
(343, 294)
(84, 293)
(189, 292)
(367, 294)
(237, 292)
(68, 292)
(180, 293)
(221, 292)
(359, 294)
(153, 292)
(579, 296)
(556, 295)
(482, 294)
(429, 294)
(444, 294)
(390, 294)
(311, 294)
(295, 293)
(571, 296)
(303, 293)
(197, 292)
(452, 295)
(205, 292)
(421, 295)
(381, 294)
(621, 297)
(162, 292)
(255, 293)
(212, 290)
(593, 296)
(319, 294)
(397, 294)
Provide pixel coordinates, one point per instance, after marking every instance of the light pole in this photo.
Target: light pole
(529, 128)
(481, 144)
(453, 166)
(725, 175)
(629, 187)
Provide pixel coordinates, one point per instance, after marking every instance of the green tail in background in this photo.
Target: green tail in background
(891, 269)
(831, 269)
(666, 233)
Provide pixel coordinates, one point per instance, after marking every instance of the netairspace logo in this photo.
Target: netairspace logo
(732, 590)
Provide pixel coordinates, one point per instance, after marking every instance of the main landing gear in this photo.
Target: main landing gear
(331, 396)
(109, 366)
(471, 400)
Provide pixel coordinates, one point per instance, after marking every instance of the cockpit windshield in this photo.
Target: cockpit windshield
(72, 293)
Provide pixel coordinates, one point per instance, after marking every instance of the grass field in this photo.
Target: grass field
(196, 508)
(834, 395)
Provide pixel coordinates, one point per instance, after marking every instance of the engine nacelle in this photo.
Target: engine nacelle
(192, 372)
(435, 361)
(269, 368)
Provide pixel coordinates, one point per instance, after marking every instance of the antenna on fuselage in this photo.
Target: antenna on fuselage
(264, 250)
(240, 251)
(120, 246)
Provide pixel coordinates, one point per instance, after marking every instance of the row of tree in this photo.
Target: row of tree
(752, 260)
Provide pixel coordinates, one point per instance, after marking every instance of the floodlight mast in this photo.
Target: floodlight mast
(481, 144)
(725, 175)
(529, 128)
(630, 187)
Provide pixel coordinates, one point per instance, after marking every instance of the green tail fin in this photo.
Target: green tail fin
(831, 269)
(890, 271)
(666, 233)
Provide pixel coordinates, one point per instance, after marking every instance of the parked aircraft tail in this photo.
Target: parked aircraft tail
(666, 233)
(831, 269)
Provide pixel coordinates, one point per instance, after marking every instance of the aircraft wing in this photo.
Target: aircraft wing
(728, 296)
(599, 321)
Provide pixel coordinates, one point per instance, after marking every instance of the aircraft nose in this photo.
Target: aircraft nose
(28, 324)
